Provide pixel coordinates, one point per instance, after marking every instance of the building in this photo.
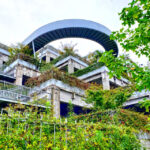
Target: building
(49, 85)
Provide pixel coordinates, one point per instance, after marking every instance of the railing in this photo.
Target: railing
(2, 68)
(143, 93)
(8, 95)
(14, 92)
(23, 90)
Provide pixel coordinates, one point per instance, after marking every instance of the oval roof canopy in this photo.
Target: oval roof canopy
(72, 28)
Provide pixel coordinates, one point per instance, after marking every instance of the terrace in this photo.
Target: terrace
(10, 92)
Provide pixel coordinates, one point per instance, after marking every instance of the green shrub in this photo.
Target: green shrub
(30, 129)
(120, 117)
(107, 99)
(88, 69)
(55, 73)
(24, 53)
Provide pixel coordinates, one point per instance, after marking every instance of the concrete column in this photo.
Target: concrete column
(1, 62)
(105, 81)
(33, 47)
(70, 66)
(55, 97)
(19, 75)
(2, 58)
(47, 58)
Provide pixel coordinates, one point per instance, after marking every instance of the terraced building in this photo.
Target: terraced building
(59, 86)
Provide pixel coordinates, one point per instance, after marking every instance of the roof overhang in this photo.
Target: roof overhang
(73, 58)
(72, 28)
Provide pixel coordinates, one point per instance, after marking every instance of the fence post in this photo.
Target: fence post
(66, 131)
(4, 84)
(41, 130)
(54, 134)
(18, 119)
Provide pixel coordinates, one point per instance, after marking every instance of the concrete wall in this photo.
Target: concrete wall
(60, 92)
(19, 68)
(72, 63)
(145, 140)
(49, 52)
(50, 55)
(102, 74)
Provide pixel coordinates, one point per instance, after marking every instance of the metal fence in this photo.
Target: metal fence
(14, 92)
(2, 71)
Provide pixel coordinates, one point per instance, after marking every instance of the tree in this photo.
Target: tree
(122, 66)
(68, 48)
(107, 99)
(135, 33)
(133, 36)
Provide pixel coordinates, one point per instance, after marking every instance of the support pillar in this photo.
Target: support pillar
(105, 81)
(55, 97)
(70, 67)
(1, 62)
(47, 58)
(33, 47)
(19, 75)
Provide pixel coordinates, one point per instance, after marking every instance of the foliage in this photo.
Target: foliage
(4, 86)
(46, 66)
(107, 99)
(19, 48)
(93, 57)
(90, 68)
(68, 50)
(55, 73)
(24, 57)
(40, 101)
(140, 76)
(135, 33)
(27, 128)
(146, 104)
(133, 36)
(24, 53)
(70, 108)
(119, 117)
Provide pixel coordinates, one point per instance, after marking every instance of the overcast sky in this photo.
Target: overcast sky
(19, 18)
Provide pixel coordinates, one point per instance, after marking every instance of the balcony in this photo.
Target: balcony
(6, 76)
(13, 93)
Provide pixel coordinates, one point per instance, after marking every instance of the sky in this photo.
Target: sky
(19, 18)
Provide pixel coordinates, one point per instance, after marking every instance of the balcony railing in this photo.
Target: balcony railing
(11, 96)
(10, 91)
(2, 72)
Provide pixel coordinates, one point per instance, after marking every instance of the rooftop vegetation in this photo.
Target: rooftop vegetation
(90, 68)
(24, 57)
(24, 53)
(54, 73)
(68, 50)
